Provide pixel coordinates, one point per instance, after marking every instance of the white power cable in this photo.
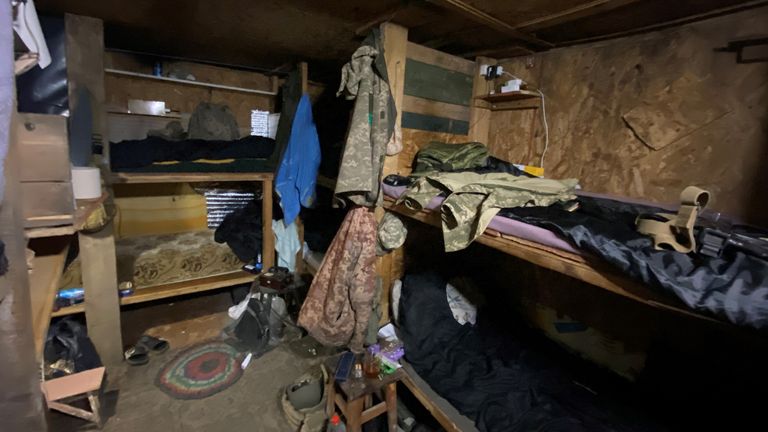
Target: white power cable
(543, 118)
(546, 128)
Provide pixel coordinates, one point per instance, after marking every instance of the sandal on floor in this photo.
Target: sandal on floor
(137, 355)
(151, 343)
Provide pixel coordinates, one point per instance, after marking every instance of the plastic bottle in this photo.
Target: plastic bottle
(336, 425)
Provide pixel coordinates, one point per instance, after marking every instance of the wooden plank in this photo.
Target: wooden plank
(395, 40)
(442, 411)
(587, 269)
(189, 82)
(396, 46)
(439, 58)
(43, 286)
(73, 385)
(481, 17)
(304, 72)
(159, 292)
(84, 210)
(479, 116)
(437, 83)
(189, 177)
(435, 108)
(435, 124)
(268, 245)
(571, 14)
(102, 307)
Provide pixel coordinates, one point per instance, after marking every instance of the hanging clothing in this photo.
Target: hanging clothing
(339, 302)
(287, 243)
(297, 173)
(474, 199)
(364, 79)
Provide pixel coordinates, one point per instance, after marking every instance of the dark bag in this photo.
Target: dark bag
(68, 349)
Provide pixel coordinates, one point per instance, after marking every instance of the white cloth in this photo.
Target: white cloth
(287, 244)
(6, 87)
(28, 28)
(463, 311)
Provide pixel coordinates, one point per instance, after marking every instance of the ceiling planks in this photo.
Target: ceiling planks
(267, 34)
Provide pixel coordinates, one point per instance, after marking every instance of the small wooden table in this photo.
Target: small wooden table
(355, 400)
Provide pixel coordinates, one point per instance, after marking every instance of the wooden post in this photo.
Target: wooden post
(304, 71)
(102, 303)
(268, 248)
(480, 112)
(395, 40)
(20, 406)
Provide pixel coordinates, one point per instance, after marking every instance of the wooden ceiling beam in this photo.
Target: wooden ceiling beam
(593, 7)
(481, 17)
(384, 17)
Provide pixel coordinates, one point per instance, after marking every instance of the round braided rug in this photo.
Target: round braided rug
(200, 371)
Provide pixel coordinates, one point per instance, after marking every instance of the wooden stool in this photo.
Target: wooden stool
(355, 398)
(59, 391)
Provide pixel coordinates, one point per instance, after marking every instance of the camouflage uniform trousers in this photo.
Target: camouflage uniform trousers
(437, 156)
(474, 199)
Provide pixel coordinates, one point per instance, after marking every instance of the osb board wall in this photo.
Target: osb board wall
(701, 114)
(184, 98)
(437, 96)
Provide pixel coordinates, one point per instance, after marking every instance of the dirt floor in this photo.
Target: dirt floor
(132, 402)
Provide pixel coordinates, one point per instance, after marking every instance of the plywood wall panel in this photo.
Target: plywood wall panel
(590, 88)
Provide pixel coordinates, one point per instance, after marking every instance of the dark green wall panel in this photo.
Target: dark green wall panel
(435, 83)
(434, 124)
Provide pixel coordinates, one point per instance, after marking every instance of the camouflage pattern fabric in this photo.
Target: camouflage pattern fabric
(213, 122)
(474, 199)
(437, 156)
(338, 304)
(364, 79)
(390, 235)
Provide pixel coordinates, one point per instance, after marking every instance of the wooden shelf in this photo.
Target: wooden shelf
(585, 268)
(188, 82)
(125, 178)
(84, 210)
(43, 286)
(510, 96)
(142, 295)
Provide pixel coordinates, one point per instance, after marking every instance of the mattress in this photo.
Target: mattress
(148, 261)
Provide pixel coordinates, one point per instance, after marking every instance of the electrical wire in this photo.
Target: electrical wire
(543, 120)
(546, 128)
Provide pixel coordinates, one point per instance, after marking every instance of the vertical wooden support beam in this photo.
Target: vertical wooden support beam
(85, 70)
(268, 251)
(304, 72)
(480, 112)
(102, 304)
(395, 40)
(20, 396)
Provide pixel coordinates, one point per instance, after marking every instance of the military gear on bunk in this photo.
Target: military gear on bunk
(364, 79)
(390, 235)
(437, 156)
(213, 122)
(675, 231)
(474, 199)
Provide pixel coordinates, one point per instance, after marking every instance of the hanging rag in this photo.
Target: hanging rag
(372, 127)
(339, 301)
(27, 26)
(297, 173)
(287, 243)
(474, 199)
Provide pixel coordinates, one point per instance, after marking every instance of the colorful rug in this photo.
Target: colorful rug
(200, 371)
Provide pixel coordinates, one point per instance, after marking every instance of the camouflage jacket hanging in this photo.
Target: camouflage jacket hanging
(364, 79)
(339, 302)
